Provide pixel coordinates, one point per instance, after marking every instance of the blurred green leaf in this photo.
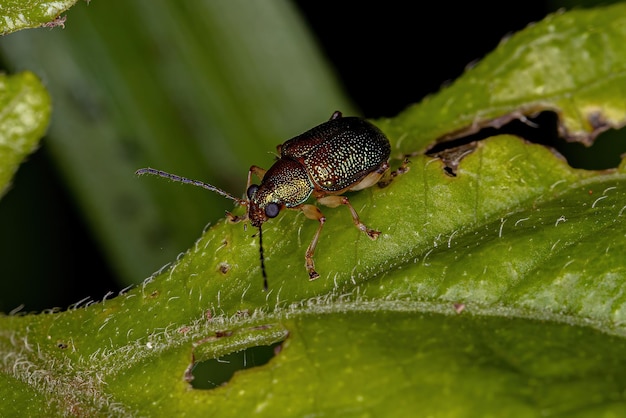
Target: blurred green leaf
(24, 118)
(497, 292)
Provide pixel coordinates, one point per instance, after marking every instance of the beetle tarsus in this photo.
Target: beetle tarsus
(403, 168)
(235, 218)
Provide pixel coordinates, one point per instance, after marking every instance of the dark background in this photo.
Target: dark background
(419, 51)
(389, 57)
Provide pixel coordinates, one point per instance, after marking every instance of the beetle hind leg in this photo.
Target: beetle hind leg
(390, 175)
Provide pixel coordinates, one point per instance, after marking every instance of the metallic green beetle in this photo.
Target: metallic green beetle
(340, 155)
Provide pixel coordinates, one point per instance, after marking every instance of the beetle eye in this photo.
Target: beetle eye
(252, 190)
(271, 210)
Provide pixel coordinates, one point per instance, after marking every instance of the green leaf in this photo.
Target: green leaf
(20, 14)
(496, 292)
(25, 112)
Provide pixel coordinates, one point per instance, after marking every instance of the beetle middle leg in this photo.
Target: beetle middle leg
(312, 212)
(334, 201)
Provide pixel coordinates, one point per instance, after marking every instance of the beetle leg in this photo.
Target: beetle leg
(257, 171)
(334, 201)
(232, 218)
(312, 212)
(403, 168)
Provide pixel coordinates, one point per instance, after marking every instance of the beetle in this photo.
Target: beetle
(342, 154)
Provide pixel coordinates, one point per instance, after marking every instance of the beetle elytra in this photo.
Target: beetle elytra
(340, 155)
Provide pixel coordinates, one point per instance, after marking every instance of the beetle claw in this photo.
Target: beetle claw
(310, 266)
(372, 234)
(234, 218)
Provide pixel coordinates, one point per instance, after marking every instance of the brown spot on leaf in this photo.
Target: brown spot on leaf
(223, 267)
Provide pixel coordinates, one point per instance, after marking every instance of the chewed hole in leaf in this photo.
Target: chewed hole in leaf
(543, 129)
(213, 373)
(605, 153)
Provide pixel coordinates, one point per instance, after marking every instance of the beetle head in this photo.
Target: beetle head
(261, 205)
(285, 185)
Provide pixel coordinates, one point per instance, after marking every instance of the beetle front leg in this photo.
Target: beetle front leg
(312, 212)
(260, 173)
(334, 201)
(257, 171)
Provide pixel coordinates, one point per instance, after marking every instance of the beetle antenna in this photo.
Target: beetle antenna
(185, 180)
(262, 259)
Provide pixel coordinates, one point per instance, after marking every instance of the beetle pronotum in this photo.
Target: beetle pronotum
(340, 155)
